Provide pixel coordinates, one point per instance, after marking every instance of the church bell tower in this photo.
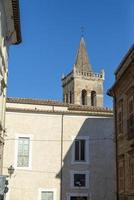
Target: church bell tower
(82, 86)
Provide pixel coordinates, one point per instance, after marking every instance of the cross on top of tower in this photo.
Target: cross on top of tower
(82, 31)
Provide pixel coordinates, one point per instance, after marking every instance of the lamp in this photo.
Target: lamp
(10, 170)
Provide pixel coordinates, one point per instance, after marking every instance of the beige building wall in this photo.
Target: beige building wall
(52, 134)
(9, 31)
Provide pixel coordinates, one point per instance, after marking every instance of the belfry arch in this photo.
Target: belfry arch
(84, 97)
(93, 98)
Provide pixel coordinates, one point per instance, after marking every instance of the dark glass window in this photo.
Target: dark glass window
(79, 150)
(79, 180)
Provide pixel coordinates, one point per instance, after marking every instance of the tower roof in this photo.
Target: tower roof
(82, 61)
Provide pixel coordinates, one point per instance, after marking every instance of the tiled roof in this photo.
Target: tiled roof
(16, 17)
(71, 107)
(35, 101)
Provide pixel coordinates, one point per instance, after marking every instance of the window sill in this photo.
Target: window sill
(80, 188)
(80, 162)
(23, 168)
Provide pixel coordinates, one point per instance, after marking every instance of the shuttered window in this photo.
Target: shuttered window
(23, 152)
(47, 195)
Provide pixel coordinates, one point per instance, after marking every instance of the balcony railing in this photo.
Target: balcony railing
(130, 127)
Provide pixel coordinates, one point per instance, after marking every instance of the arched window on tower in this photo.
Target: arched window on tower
(66, 98)
(93, 98)
(84, 97)
(70, 96)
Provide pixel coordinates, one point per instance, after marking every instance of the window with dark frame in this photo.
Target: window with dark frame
(80, 150)
(79, 180)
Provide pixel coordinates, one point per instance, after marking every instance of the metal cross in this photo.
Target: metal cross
(82, 31)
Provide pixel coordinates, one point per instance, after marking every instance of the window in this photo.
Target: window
(121, 174)
(84, 97)
(66, 98)
(78, 198)
(79, 150)
(120, 118)
(79, 180)
(47, 195)
(131, 170)
(130, 121)
(70, 97)
(23, 152)
(93, 98)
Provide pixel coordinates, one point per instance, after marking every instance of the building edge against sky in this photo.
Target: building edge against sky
(123, 94)
(9, 34)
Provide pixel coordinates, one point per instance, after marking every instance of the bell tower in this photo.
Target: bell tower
(82, 86)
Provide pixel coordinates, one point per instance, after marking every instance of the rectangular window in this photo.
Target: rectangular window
(79, 150)
(47, 195)
(131, 167)
(121, 174)
(78, 198)
(130, 121)
(120, 118)
(23, 152)
(79, 180)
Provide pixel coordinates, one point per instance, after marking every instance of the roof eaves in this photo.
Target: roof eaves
(16, 17)
(124, 59)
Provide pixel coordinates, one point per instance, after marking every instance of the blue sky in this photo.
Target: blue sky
(51, 31)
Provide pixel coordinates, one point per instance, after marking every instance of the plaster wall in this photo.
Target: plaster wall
(52, 142)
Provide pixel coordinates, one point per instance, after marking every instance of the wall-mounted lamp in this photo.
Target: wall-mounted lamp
(10, 170)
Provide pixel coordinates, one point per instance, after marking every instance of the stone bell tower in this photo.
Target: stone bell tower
(82, 86)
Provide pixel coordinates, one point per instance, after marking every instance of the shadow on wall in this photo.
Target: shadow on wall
(100, 154)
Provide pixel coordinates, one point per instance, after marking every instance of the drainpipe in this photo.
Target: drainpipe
(61, 174)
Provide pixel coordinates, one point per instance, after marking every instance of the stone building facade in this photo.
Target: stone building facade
(59, 151)
(82, 86)
(123, 94)
(9, 34)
